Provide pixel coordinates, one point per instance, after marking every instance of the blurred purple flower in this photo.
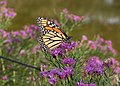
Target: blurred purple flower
(68, 71)
(92, 84)
(32, 78)
(56, 51)
(53, 72)
(69, 61)
(100, 40)
(23, 34)
(68, 46)
(65, 11)
(111, 62)
(52, 81)
(92, 44)
(84, 38)
(61, 74)
(100, 47)
(83, 84)
(5, 78)
(108, 42)
(5, 34)
(22, 53)
(16, 33)
(94, 65)
(10, 13)
(44, 73)
(7, 41)
(116, 70)
(3, 2)
(113, 51)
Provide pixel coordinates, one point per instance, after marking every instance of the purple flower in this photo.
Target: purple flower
(68, 71)
(44, 73)
(8, 41)
(68, 46)
(74, 18)
(52, 81)
(65, 11)
(112, 50)
(69, 61)
(53, 72)
(108, 42)
(84, 37)
(92, 84)
(92, 44)
(77, 18)
(56, 51)
(111, 62)
(116, 70)
(61, 74)
(83, 84)
(22, 53)
(3, 2)
(23, 34)
(100, 40)
(94, 65)
(5, 34)
(16, 33)
(100, 47)
(4, 78)
(80, 84)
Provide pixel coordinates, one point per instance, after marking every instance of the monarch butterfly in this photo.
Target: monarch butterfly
(51, 36)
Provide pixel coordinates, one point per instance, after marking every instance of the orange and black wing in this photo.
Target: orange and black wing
(51, 35)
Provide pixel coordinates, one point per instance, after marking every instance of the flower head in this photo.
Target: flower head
(116, 70)
(4, 78)
(111, 62)
(52, 81)
(56, 51)
(69, 61)
(84, 84)
(61, 74)
(94, 65)
(68, 71)
(3, 2)
(65, 11)
(44, 73)
(22, 53)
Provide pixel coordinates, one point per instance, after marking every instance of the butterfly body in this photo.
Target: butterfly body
(51, 36)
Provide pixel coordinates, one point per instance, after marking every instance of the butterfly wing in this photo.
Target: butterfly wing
(51, 35)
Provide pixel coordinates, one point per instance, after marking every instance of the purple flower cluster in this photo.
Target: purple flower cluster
(65, 46)
(11, 39)
(94, 65)
(114, 64)
(69, 61)
(98, 44)
(8, 13)
(109, 46)
(72, 17)
(56, 74)
(83, 84)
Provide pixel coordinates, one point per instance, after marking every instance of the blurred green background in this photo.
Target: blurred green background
(103, 16)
